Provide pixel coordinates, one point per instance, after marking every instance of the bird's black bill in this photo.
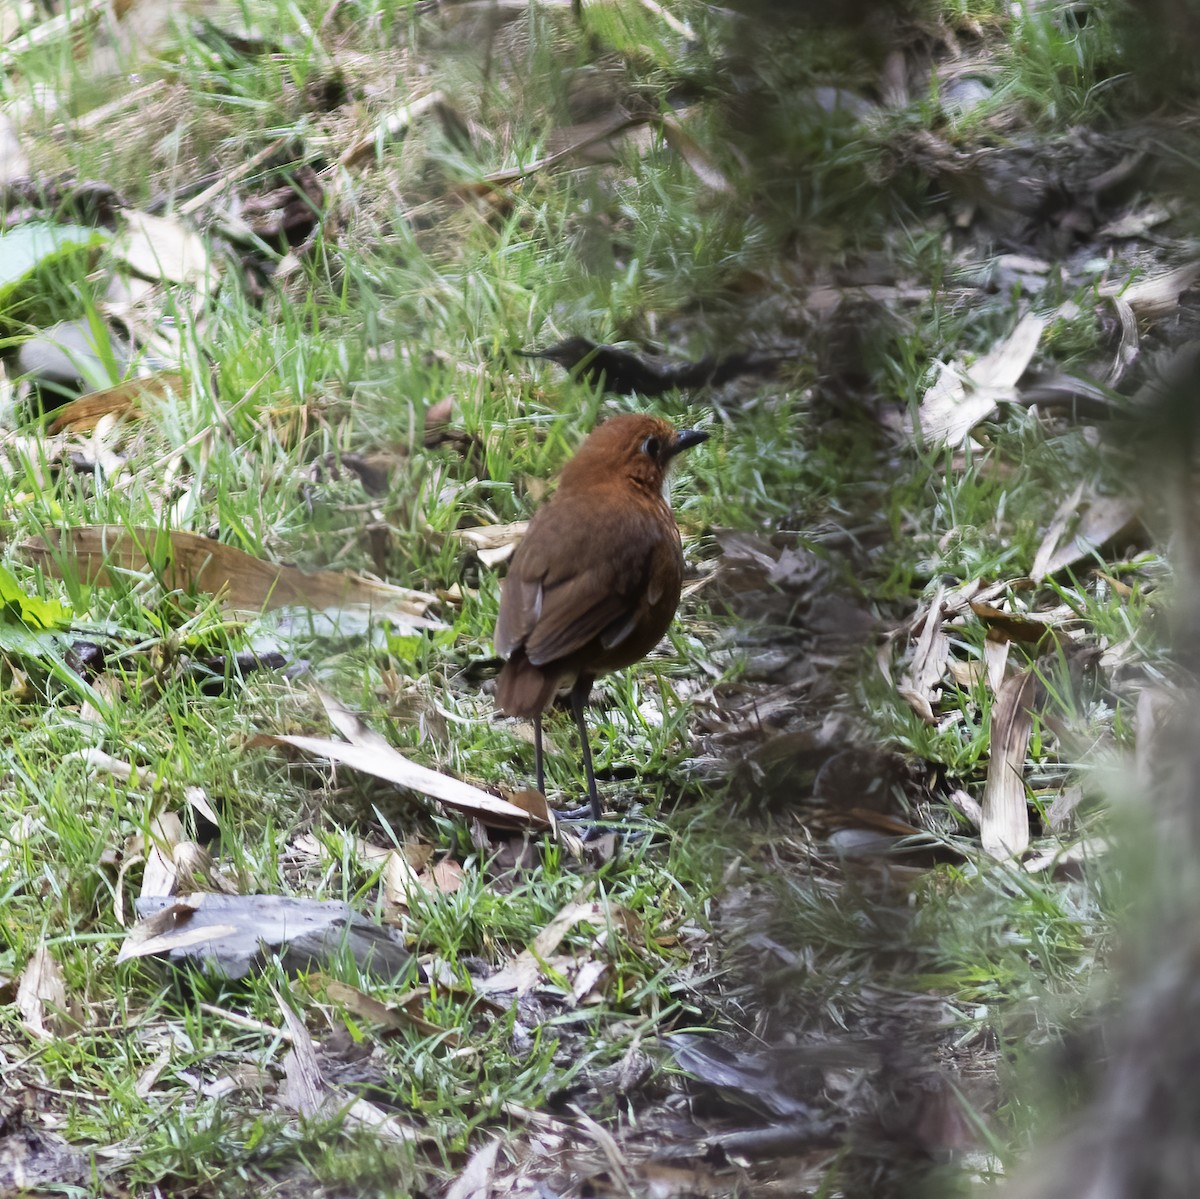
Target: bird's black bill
(685, 439)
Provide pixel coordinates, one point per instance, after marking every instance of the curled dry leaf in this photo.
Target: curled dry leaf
(921, 685)
(1030, 628)
(1155, 295)
(1004, 821)
(189, 562)
(962, 397)
(494, 544)
(42, 994)
(82, 415)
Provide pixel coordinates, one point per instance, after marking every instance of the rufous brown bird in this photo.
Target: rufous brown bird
(595, 581)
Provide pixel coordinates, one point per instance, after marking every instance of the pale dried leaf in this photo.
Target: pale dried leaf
(350, 724)
(42, 994)
(163, 932)
(968, 805)
(158, 247)
(494, 544)
(1098, 520)
(475, 1181)
(1138, 221)
(1004, 826)
(1085, 850)
(386, 763)
(1158, 294)
(161, 874)
(197, 799)
(18, 836)
(304, 1088)
(961, 397)
(697, 158)
(13, 163)
(920, 686)
(995, 656)
(188, 562)
(524, 971)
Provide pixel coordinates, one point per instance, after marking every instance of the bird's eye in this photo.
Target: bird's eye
(651, 447)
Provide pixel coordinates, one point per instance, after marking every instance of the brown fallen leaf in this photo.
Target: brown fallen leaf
(1004, 820)
(392, 1016)
(189, 562)
(1027, 627)
(84, 414)
(697, 158)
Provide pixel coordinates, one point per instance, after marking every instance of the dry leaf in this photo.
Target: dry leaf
(524, 971)
(961, 398)
(158, 247)
(1098, 520)
(921, 683)
(475, 1181)
(1027, 627)
(1085, 850)
(42, 995)
(83, 414)
(189, 562)
(1004, 823)
(307, 1092)
(394, 125)
(394, 1016)
(494, 544)
(386, 763)
(690, 151)
(1158, 294)
(160, 874)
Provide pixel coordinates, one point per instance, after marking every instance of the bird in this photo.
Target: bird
(594, 584)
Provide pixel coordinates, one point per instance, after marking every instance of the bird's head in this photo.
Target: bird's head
(632, 447)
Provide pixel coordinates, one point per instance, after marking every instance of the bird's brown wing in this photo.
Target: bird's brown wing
(573, 578)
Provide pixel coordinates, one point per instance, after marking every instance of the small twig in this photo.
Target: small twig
(198, 201)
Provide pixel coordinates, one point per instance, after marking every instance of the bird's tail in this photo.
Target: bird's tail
(524, 689)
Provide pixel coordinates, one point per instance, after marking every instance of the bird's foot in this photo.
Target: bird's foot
(592, 826)
(587, 818)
